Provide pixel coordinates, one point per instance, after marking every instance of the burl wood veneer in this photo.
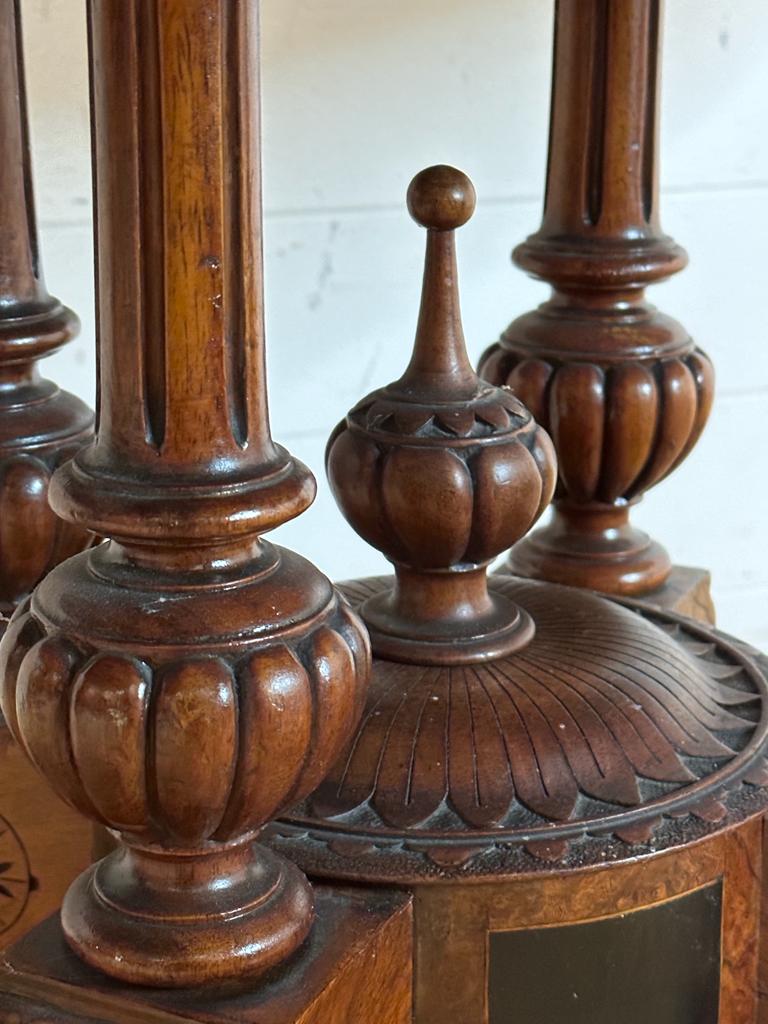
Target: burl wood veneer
(622, 388)
(43, 843)
(530, 755)
(185, 680)
(355, 969)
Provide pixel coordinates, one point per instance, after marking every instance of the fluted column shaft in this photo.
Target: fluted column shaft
(185, 680)
(620, 386)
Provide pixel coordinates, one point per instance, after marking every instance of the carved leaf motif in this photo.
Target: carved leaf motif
(596, 706)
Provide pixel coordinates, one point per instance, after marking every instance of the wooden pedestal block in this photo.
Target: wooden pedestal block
(687, 592)
(354, 969)
(673, 940)
(44, 844)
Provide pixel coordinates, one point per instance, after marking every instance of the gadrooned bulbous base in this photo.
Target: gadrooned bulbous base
(607, 554)
(618, 731)
(174, 922)
(183, 709)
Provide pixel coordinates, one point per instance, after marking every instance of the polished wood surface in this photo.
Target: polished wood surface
(43, 843)
(621, 387)
(40, 425)
(688, 592)
(452, 924)
(356, 969)
(186, 680)
(441, 472)
(528, 755)
(507, 720)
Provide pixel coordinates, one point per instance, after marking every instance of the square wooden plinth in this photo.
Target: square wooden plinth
(687, 592)
(44, 844)
(354, 969)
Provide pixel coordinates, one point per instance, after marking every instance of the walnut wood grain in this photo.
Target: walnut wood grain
(622, 388)
(40, 426)
(185, 680)
(43, 843)
(511, 725)
(356, 969)
(440, 471)
(686, 591)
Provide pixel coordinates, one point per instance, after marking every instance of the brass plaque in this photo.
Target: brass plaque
(660, 965)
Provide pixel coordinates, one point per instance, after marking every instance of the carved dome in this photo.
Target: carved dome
(595, 741)
(511, 725)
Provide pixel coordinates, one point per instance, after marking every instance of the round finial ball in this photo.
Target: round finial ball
(441, 198)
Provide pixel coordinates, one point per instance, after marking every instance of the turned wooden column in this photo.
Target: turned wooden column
(622, 388)
(185, 680)
(40, 425)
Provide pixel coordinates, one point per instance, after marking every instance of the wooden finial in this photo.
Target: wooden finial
(441, 471)
(183, 682)
(487, 751)
(40, 426)
(620, 387)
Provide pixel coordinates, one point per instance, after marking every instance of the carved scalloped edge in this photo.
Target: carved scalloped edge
(495, 412)
(405, 860)
(402, 858)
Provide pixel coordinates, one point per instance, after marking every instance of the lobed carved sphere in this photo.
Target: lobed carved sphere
(432, 486)
(185, 747)
(618, 428)
(32, 537)
(41, 427)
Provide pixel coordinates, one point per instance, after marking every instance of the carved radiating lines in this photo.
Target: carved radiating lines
(597, 708)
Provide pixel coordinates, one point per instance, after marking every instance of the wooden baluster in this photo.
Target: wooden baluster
(185, 680)
(621, 387)
(40, 425)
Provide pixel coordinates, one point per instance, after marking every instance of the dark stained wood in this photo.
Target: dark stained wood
(40, 425)
(356, 969)
(616, 730)
(440, 471)
(186, 680)
(622, 388)
(762, 977)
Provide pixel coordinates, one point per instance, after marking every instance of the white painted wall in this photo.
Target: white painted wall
(361, 94)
